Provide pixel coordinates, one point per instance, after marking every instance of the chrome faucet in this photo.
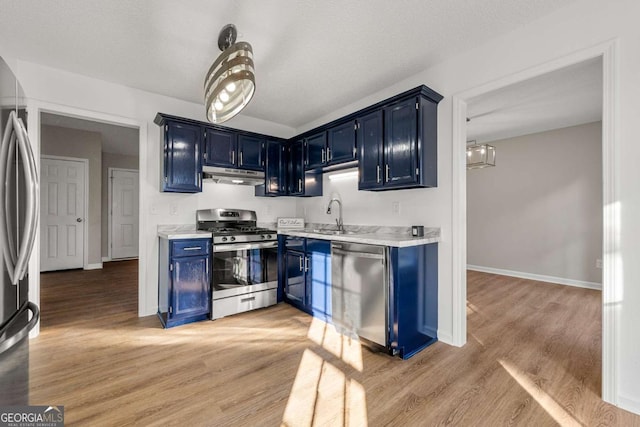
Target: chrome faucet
(339, 219)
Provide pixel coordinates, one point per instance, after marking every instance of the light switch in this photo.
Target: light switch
(395, 208)
(173, 209)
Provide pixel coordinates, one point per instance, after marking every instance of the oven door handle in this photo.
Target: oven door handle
(228, 247)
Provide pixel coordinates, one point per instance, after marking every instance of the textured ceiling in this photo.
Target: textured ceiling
(567, 97)
(115, 139)
(311, 56)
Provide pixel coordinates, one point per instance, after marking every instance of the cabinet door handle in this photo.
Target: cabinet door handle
(233, 157)
(323, 155)
(387, 173)
(241, 162)
(300, 259)
(300, 185)
(378, 173)
(192, 248)
(328, 154)
(248, 299)
(306, 264)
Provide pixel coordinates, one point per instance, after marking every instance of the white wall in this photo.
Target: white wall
(581, 25)
(539, 210)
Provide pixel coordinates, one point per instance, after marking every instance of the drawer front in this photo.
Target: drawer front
(295, 243)
(190, 247)
(241, 303)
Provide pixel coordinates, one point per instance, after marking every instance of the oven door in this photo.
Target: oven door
(241, 268)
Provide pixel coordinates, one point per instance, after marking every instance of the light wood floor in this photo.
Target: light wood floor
(532, 358)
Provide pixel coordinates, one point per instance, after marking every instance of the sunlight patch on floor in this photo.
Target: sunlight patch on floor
(557, 412)
(346, 348)
(323, 395)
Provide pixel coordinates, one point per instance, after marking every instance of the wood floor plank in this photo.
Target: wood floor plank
(532, 359)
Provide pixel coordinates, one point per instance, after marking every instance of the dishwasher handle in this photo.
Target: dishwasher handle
(357, 254)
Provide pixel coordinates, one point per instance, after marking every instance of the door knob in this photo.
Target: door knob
(78, 219)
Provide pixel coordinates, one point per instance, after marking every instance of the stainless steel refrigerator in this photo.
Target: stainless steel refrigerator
(18, 221)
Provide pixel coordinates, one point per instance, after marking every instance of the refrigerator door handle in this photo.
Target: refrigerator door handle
(31, 187)
(6, 241)
(9, 342)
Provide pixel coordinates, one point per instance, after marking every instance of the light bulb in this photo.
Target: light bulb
(224, 96)
(482, 151)
(231, 87)
(469, 153)
(219, 106)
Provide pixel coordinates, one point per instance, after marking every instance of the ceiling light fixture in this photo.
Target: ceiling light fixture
(480, 155)
(230, 82)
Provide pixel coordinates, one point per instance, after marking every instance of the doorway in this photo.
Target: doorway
(611, 277)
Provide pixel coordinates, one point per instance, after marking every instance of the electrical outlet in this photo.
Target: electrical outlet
(173, 209)
(395, 208)
(598, 263)
(268, 209)
(154, 209)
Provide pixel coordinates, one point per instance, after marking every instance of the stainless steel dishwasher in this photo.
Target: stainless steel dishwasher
(359, 290)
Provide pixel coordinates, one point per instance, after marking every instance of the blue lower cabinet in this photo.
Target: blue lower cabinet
(184, 279)
(413, 298)
(319, 278)
(295, 287)
(306, 278)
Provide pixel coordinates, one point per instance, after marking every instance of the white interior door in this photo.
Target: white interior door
(124, 213)
(62, 195)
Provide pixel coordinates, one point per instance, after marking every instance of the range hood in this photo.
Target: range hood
(232, 176)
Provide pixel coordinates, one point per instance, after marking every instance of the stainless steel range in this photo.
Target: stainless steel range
(245, 261)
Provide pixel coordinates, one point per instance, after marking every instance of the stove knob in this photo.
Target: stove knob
(262, 237)
(224, 239)
(232, 238)
(268, 236)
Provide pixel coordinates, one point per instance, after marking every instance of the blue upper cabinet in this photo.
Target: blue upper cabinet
(275, 169)
(296, 171)
(220, 148)
(331, 147)
(251, 152)
(398, 145)
(341, 143)
(182, 147)
(316, 150)
(400, 151)
(370, 141)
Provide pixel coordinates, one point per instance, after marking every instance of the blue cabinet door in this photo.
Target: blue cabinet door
(190, 287)
(251, 152)
(295, 289)
(275, 169)
(316, 147)
(296, 169)
(370, 146)
(220, 148)
(319, 278)
(401, 143)
(341, 143)
(182, 158)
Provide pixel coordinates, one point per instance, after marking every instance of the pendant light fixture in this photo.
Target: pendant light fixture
(480, 155)
(230, 82)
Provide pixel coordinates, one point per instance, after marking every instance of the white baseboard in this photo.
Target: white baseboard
(538, 277)
(106, 259)
(631, 405)
(445, 337)
(96, 266)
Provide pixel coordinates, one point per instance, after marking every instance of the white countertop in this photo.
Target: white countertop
(181, 231)
(401, 240)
